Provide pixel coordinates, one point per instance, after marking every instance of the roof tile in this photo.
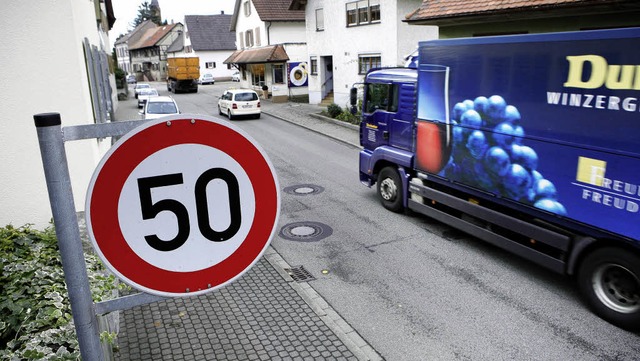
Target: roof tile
(277, 10)
(437, 9)
(210, 32)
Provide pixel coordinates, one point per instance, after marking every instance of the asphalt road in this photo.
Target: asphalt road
(415, 289)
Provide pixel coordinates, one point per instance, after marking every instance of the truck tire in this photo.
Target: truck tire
(389, 187)
(609, 280)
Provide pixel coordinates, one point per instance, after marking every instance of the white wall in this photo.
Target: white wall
(391, 39)
(43, 71)
(286, 32)
(218, 57)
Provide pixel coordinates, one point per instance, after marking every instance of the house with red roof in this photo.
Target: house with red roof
(467, 18)
(149, 54)
(271, 47)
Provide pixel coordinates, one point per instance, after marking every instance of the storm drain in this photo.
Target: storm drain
(299, 274)
(305, 231)
(304, 189)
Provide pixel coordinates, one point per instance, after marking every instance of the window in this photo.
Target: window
(188, 49)
(319, 19)
(368, 62)
(210, 65)
(257, 33)
(381, 97)
(278, 73)
(257, 74)
(247, 8)
(248, 38)
(314, 66)
(241, 37)
(362, 12)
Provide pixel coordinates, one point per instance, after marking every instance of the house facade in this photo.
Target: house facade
(271, 47)
(468, 18)
(208, 37)
(149, 53)
(347, 38)
(122, 44)
(76, 82)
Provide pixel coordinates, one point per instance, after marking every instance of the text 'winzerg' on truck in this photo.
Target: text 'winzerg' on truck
(528, 142)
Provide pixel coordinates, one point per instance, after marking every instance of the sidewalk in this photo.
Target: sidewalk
(264, 315)
(307, 115)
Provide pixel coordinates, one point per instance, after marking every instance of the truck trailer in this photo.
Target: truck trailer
(528, 142)
(183, 74)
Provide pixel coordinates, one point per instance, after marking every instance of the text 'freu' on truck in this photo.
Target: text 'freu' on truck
(528, 142)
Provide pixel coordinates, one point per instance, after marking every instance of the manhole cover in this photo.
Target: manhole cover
(299, 274)
(305, 231)
(304, 189)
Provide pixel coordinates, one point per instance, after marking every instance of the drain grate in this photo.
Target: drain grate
(299, 274)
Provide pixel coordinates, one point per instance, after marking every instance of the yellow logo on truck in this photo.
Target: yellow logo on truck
(591, 171)
(599, 72)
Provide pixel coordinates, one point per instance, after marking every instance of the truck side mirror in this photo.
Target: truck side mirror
(353, 98)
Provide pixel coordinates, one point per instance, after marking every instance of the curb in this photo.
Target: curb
(321, 117)
(349, 336)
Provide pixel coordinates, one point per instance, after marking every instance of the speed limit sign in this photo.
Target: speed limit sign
(182, 206)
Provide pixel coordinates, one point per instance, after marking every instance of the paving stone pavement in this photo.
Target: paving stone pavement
(264, 315)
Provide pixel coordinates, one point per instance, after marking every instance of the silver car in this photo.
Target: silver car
(139, 87)
(146, 94)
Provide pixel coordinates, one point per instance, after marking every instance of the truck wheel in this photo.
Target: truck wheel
(390, 189)
(609, 279)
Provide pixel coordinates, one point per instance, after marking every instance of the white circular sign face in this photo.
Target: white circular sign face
(197, 252)
(182, 206)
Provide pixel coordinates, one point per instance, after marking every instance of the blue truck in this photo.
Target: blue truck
(528, 142)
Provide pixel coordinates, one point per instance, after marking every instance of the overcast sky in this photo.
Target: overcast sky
(126, 11)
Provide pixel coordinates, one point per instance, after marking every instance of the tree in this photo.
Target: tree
(147, 12)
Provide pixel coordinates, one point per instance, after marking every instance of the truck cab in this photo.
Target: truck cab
(388, 120)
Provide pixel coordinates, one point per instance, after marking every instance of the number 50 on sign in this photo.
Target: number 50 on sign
(182, 206)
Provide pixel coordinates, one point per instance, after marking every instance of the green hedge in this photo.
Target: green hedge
(35, 314)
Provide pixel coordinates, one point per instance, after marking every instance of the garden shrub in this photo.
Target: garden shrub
(35, 314)
(334, 110)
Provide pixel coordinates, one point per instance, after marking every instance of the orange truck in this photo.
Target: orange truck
(183, 74)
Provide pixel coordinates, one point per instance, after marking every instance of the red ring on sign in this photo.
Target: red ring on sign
(115, 170)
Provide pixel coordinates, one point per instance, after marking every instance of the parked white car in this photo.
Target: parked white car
(235, 76)
(139, 87)
(146, 94)
(239, 102)
(206, 78)
(159, 106)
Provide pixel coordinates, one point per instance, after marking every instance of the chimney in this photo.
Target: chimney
(221, 12)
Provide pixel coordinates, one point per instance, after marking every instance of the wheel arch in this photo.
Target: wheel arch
(584, 246)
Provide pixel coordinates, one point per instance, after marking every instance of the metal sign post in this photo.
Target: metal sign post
(56, 171)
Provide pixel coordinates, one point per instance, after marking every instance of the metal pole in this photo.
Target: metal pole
(56, 170)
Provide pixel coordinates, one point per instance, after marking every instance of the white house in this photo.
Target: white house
(122, 44)
(48, 57)
(347, 38)
(208, 37)
(271, 47)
